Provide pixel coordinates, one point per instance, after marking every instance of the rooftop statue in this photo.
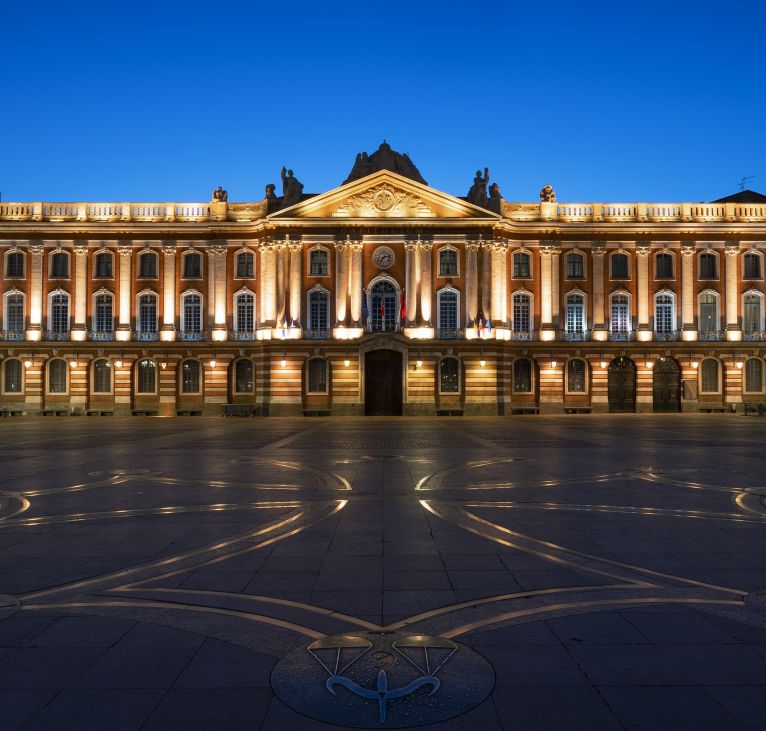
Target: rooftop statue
(270, 194)
(384, 158)
(292, 188)
(478, 191)
(548, 195)
(220, 195)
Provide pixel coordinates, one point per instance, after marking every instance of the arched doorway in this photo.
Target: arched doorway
(667, 386)
(383, 383)
(622, 386)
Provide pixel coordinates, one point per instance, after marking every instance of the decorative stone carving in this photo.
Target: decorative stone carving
(472, 245)
(643, 248)
(598, 248)
(384, 158)
(220, 195)
(217, 247)
(125, 248)
(547, 194)
(384, 201)
(340, 246)
(80, 247)
(383, 257)
(732, 248)
(550, 247)
(477, 194)
(688, 249)
(36, 248)
(169, 248)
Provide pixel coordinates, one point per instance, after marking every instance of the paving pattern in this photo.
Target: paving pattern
(583, 571)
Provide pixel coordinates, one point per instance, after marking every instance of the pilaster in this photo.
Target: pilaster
(733, 329)
(168, 331)
(36, 250)
(126, 252)
(80, 327)
(598, 249)
(643, 249)
(689, 329)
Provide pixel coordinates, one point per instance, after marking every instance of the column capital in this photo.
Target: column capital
(550, 247)
(598, 247)
(169, 248)
(36, 248)
(688, 249)
(295, 246)
(125, 248)
(80, 247)
(472, 245)
(732, 248)
(410, 245)
(643, 248)
(217, 247)
(500, 246)
(340, 246)
(426, 246)
(355, 245)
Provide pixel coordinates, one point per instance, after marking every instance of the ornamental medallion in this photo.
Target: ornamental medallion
(384, 199)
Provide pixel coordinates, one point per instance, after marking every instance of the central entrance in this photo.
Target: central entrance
(622, 386)
(383, 383)
(667, 386)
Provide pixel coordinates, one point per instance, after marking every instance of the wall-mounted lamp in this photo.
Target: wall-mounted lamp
(419, 361)
(482, 362)
(554, 363)
(118, 364)
(27, 364)
(603, 362)
(347, 363)
(695, 363)
(740, 364)
(283, 362)
(649, 363)
(212, 363)
(73, 363)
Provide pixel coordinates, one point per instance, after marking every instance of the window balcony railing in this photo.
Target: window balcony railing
(754, 336)
(193, 336)
(711, 336)
(622, 336)
(55, 335)
(524, 336)
(317, 334)
(146, 336)
(666, 337)
(449, 333)
(14, 335)
(243, 335)
(101, 336)
(382, 327)
(575, 336)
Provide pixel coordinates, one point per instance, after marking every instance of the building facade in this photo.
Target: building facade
(383, 296)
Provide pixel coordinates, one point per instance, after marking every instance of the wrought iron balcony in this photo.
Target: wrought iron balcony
(193, 336)
(666, 337)
(380, 327)
(55, 335)
(524, 335)
(15, 335)
(711, 336)
(101, 336)
(755, 336)
(575, 336)
(317, 334)
(449, 333)
(146, 336)
(622, 336)
(242, 335)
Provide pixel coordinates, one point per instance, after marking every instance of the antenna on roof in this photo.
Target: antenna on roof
(742, 182)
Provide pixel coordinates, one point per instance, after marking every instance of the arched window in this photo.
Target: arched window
(146, 376)
(103, 319)
(663, 265)
(449, 375)
(245, 265)
(190, 376)
(619, 321)
(191, 313)
(244, 312)
(708, 265)
(447, 263)
(752, 314)
(318, 263)
(13, 376)
(619, 265)
(319, 310)
(449, 319)
(147, 265)
(384, 307)
(102, 376)
(317, 375)
(575, 265)
(59, 265)
(751, 265)
(709, 372)
(243, 376)
(575, 317)
(522, 312)
(147, 313)
(103, 265)
(59, 313)
(192, 265)
(522, 375)
(14, 264)
(664, 313)
(576, 375)
(754, 375)
(708, 315)
(15, 320)
(522, 268)
(57, 376)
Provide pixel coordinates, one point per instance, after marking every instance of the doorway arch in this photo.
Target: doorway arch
(666, 386)
(622, 386)
(383, 383)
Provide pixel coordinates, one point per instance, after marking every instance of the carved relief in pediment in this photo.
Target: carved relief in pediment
(384, 201)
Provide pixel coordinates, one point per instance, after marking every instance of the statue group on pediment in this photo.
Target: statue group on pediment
(384, 158)
(477, 194)
(220, 195)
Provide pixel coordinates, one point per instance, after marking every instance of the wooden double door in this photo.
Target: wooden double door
(622, 386)
(383, 383)
(666, 397)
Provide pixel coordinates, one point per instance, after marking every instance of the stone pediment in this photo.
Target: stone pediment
(383, 194)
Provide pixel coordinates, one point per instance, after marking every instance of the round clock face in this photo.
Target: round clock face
(383, 257)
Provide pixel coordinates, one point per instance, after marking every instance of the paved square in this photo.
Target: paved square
(519, 573)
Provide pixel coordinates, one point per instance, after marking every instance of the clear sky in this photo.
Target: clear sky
(607, 101)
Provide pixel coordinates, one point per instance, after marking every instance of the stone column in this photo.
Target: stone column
(411, 282)
(208, 317)
(486, 279)
(281, 275)
(296, 282)
(341, 279)
(80, 328)
(687, 291)
(598, 249)
(126, 281)
(35, 326)
(220, 330)
(556, 287)
(425, 282)
(471, 283)
(549, 284)
(168, 291)
(733, 329)
(642, 268)
(267, 285)
(356, 283)
(498, 305)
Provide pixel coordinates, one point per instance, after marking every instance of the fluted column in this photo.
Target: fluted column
(126, 281)
(341, 290)
(356, 283)
(486, 279)
(425, 282)
(296, 278)
(687, 291)
(733, 329)
(598, 249)
(471, 283)
(80, 328)
(35, 327)
(411, 282)
(168, 332)
(642, 270)
(220, 330)
(267, 285)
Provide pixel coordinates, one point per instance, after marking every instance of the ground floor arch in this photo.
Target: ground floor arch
(622, 386)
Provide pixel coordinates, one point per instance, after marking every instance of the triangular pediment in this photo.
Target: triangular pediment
(383, 194)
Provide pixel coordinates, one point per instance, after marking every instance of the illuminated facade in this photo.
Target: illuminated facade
(382, 296)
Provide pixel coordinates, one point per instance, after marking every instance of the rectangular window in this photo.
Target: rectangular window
(147, 266)
(14, 313)
(619, 266)
(318, 263)
(448, 263)
(448, 311)
(521, 318)
(575, 268)
(663, 266)
(752, 266)
(192, 266)
(521, 267)
(317, 376)
(245, 266)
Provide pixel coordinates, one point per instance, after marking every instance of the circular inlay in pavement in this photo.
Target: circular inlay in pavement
(8, 606)
(382, 680)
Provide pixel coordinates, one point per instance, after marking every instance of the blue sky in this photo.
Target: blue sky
(164, 101)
